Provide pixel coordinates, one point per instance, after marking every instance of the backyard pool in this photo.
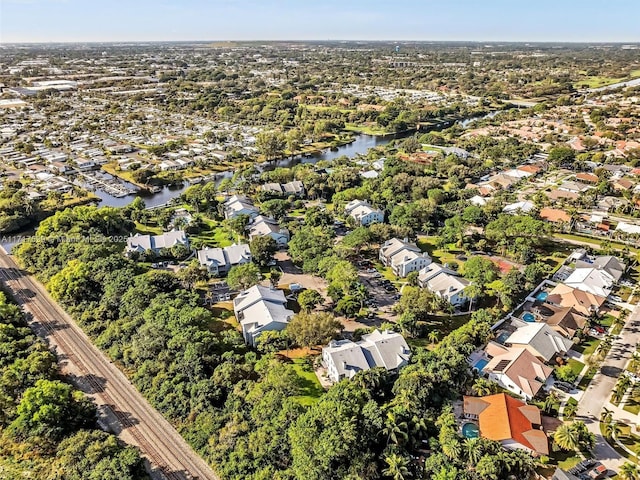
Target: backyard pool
(542, 296)
(470, 430)
(502, 337)
(528, 317)
(480, 364)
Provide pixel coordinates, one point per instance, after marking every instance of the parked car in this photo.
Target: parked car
(615, 298)
(562, 387)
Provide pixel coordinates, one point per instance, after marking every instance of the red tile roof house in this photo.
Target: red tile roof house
(555, 215)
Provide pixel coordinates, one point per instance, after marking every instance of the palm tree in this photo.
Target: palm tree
(451, 447)
(482, 387)
(611, 429)
(629, 471)
(570, 410)
(566, 437)
(394, 430)
(473, 450)
(606, 415)
(550, 402)
(433, 337)
(396, 467)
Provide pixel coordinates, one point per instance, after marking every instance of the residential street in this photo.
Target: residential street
(597, 395)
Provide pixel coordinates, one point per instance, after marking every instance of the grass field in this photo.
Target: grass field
(440, 255)
(311, 388)
(596, 81)
(366, 128)
(214, 234)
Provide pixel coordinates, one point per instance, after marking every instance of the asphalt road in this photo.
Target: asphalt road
(599, 391)
(122, 408)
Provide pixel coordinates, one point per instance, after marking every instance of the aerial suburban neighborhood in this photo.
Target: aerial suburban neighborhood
(319, 260)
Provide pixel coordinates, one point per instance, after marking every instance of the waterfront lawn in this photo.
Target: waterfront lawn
(370, 128)
(310, 385)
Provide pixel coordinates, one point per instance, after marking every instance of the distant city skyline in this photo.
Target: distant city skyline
(397, 20)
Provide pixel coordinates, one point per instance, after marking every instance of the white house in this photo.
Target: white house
(260, 309)
(219, 261)
(262, 226)
(516, 369)
(239, 205)
(540, 339)
(155, 243)
(403, 257)
(445, 283)
(345, 358)
(363, 213)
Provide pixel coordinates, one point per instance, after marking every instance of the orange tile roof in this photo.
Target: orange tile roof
(554, 215)
(505, 418)
(529, 169)
(587, 177)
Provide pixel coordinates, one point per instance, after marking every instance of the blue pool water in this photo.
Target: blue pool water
(480, 364)
(528, 317)
(542, 296)
(470, 430)
(502, 337)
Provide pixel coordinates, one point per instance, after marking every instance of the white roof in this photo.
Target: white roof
(592, 280)
(524, 207)
(628, 227)
(542, 338)
(478, 200)
(157, 242)
(377, 349)
(255, 294)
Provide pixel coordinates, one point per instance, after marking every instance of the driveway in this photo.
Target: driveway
(599, 391)
(292, 274)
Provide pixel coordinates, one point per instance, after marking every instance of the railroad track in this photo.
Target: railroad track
(166, 454)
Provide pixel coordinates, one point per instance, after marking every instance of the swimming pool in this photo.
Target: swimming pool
(502, 337)
(528, 317)
(480, 364)
(542, 296)
(470, 430)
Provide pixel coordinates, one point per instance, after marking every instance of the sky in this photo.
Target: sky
(438, 20)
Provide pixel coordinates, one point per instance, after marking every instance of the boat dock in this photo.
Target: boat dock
(111, 186)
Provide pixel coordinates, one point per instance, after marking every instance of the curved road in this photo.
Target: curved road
(122, 408)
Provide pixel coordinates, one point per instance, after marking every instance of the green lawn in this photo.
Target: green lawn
(597, 81)
(148, 229)
(446, 324)
(595, 241)
(565, 460)
(213, 234)
(576, 366)
(586, 380)
(587, 346)
(628, 439)
(367, 129)
(441, 255)
(633, 404)
(311, 388)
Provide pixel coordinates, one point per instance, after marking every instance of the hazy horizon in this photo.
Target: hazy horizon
(74, 21)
